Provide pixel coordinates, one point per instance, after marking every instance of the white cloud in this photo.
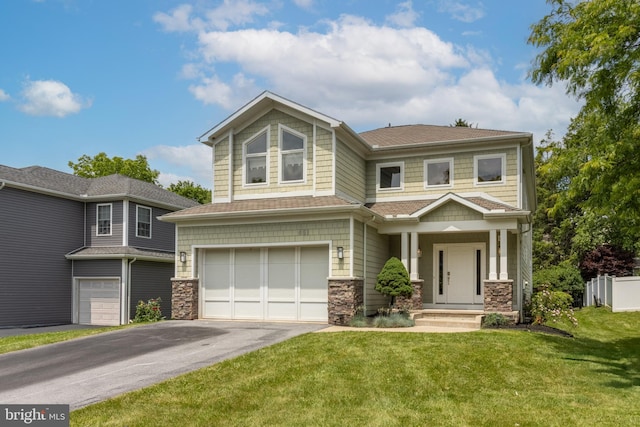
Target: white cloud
(192, 161)
(304, 4)
(405, 16)
(228, 13)
(4, 96)
(50, 98)
(461, 11)
(369, 75)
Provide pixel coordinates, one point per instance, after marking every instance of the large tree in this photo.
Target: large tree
(103, 165)
(192, 191)
(594, 48)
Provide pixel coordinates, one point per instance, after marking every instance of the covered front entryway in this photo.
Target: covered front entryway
(459, 273)
(99, 302)
(269, 283)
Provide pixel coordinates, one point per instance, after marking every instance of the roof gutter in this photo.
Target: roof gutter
(500, 138)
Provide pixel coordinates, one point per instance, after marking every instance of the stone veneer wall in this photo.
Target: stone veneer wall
(345, 296)
(498, 296)
(184, 299)
(415, 300)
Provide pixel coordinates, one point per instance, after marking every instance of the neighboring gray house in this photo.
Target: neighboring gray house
(78, 250)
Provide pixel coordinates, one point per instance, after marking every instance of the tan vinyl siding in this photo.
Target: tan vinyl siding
(221, 170)
(336, 231)
(463, 177)
(272, 119)
(450, 212)
(324, 160)
(351, 171)
(377, 255)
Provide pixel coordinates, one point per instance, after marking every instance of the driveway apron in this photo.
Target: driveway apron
(91, 369)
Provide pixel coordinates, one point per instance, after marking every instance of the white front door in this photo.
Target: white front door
(459, 272)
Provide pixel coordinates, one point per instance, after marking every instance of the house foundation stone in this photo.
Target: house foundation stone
(345, 296)
(498, 296)
(414, 302)
(184, 299)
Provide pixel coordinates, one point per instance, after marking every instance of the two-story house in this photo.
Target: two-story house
(306, 211)
(78, 250)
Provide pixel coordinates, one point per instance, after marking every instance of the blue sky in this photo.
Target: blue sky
(148, 77)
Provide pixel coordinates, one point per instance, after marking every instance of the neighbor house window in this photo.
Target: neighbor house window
(143, 222)
(255, 159)
(489, 169)
(292, 152)
(438, 173)
(390, 176)
(103, 226)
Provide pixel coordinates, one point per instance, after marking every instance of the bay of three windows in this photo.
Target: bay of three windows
(438, 173)
(291, 155)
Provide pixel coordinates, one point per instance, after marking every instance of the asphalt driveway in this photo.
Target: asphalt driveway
(91, 369)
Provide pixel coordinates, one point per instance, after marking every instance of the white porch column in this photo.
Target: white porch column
(404, 249)
(504, 275)
(414, 256)
(493, 264)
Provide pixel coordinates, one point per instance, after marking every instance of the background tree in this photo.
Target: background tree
(607, 259)
(594, 47)
(103, 165)
(192, 191)
(462, 123)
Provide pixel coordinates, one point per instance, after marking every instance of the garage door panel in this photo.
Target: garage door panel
(248, 310)
(218, 274)
(282, 275)
(247, 274)
(314, 268)
(313, 311)
(99, 302)
(282, 310)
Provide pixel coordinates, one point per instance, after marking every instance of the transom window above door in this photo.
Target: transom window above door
(292, 154)
(390, 176)
(256, 159)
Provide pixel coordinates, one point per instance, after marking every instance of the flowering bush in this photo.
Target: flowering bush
(148, 311)
(550, 306)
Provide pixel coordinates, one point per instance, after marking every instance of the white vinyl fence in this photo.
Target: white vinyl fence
(619, 293)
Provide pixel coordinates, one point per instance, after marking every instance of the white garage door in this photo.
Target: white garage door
(99, 301)
(266, 283)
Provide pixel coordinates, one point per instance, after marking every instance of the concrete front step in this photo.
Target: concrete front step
(470, 319)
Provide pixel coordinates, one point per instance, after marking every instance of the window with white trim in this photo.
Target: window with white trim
(438, 173)
(103, 220)
(489, 169)
(292, 154)
(255, 153)
(143, 222)
(390, 176)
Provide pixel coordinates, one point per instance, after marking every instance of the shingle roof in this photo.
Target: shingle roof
(386, 209)
(264, 206)
(424, 134)
(75, 187)
(121, 252)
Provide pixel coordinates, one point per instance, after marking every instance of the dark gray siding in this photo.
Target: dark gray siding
(36, 231)
(151, 280)
(98, 268)
(162, 233)
(115, 239)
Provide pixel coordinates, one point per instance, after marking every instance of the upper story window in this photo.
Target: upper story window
(390, 176)
(256, 159)
(143, 221)
(489, 169)
(438, 173)
(103, 223)
(292, 154)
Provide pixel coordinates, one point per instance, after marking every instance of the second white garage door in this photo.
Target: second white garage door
(99, 302)
(266, 283)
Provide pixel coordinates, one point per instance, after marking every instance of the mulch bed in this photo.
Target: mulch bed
(529, 327)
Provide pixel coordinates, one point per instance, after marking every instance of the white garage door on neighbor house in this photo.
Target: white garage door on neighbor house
(275, 283)
(99, 302)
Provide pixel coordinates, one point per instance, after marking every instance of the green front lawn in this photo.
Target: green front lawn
(485, 378)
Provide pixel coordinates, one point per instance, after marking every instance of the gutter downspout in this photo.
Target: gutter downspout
(2, 185)
(128, 296)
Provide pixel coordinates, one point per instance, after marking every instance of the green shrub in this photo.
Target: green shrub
(493, 320)
(148, 311)
(394, 320)
(564, 277)
(393, 280)
(359, 320)
(551, 306)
